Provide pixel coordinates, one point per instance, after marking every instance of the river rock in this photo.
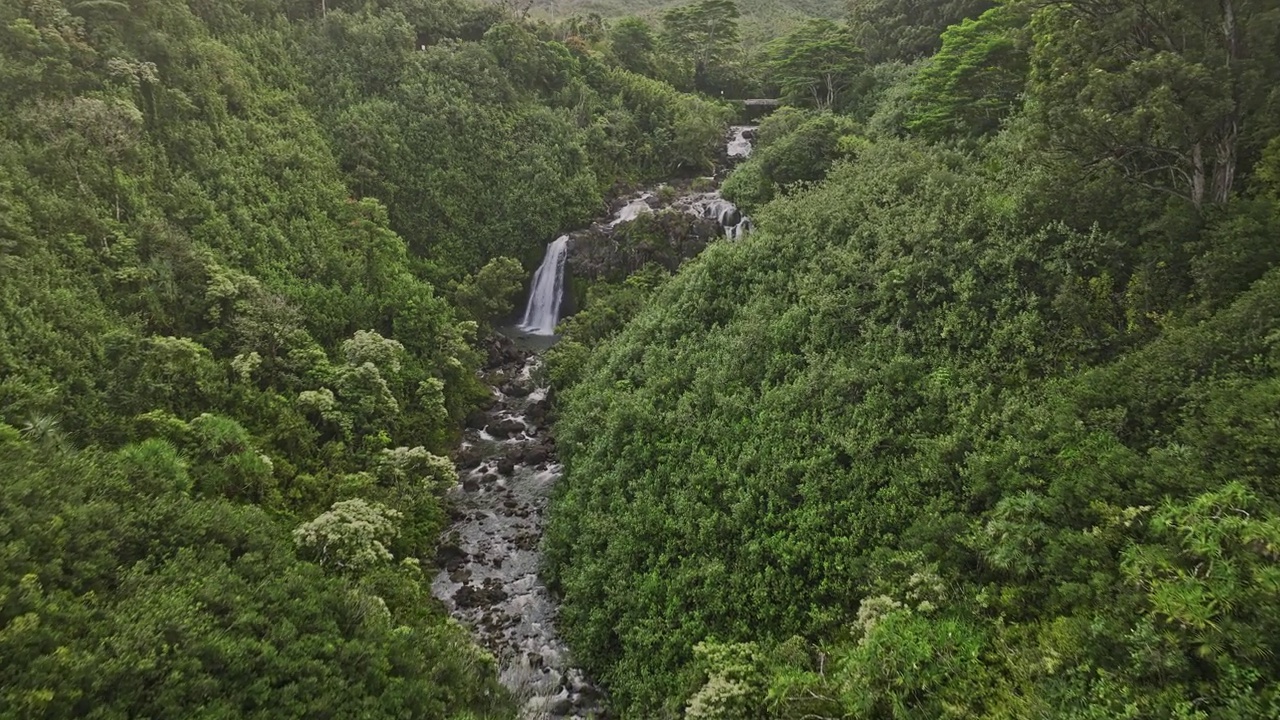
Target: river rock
(516, 390)
(537, 412)
(536, 454)
(489, 593)
(467, 458)
(502, 351)
(450, 557)
(509, 427)
(506, 466)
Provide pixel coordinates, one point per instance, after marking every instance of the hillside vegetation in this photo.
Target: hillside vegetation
(247, 251)
(982, 421)
(763, 18)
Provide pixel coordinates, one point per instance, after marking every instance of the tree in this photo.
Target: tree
(632, 42)
(704, 33)
(490, 293)
(975, 81)
(351, 538)
(1161, 92)
(907, 30)
(816, 63)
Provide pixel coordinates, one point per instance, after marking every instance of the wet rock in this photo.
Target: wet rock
(560, 706)
(537, 411)
(536, 454)
(516, 390)
(450, 557)
(467, 458)
(506, 466)
(471, 485)
(487, 594)
(477, 419)
(501, 351)
(508, 427)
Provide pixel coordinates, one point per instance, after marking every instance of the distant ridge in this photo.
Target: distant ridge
(767, 17)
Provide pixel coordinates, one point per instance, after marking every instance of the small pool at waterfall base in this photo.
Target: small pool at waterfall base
(526, 341)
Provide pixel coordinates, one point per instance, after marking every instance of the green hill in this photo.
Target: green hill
(761, 18)
(981, 421)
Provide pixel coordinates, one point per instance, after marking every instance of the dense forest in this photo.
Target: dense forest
(982, 419)
(247, 253)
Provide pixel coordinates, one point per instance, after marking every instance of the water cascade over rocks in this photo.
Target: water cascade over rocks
(542, 312)
(490, 556)
(507, 467)
(740, 144)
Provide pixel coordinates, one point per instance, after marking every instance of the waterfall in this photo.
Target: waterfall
(543, 311)
(740, 145)
(632, 210)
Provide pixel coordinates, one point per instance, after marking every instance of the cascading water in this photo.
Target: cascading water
(543, 310)
(507, 463)
(632, 210)
(740, 145)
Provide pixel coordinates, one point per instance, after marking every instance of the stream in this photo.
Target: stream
(507, 467)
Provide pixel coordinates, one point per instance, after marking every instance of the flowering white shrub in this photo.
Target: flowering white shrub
(351, 537)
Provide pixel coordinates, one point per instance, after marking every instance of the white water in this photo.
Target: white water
(714, 207)
(740, 145)
(543, 310)
(632, 210)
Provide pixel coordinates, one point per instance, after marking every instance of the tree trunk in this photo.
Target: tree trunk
(1197, 175)
(1224, 170)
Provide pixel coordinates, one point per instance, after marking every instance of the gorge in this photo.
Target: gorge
(546, 292)
(490, 556)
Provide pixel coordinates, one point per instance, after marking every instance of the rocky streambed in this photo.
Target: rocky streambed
(490, 556)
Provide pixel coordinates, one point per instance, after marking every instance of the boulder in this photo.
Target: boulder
(537, 411)
(516, 390)
(509, 427)
(467, 458)
(536, 454)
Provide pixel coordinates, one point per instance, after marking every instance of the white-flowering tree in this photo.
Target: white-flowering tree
(416, 467)
(351, 537)
(367, 346)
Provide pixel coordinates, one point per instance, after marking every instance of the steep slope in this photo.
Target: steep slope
(859, 463)
(227, 383)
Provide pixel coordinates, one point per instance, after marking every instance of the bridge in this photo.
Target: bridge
(755, 108)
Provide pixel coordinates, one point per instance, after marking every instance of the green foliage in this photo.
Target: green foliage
(490, 148)
(223, 227)
(491, 293)
(705, 35)
(906, 30)
(976, 79)
(122, 600)
(792, 148)
(916, 419)
(1138, 88)
(632, 43)
(816, 64)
